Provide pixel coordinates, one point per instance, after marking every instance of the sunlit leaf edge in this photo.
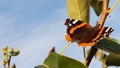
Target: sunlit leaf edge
(56, 60)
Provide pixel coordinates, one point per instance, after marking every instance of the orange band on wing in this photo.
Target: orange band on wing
(79, 26)
(86, 44)
(67, 37)
(98, 36)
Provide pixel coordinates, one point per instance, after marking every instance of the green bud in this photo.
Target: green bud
(4, 50)
(13, 66)
(16, 52)
(6, 56)
(11, 52)
(4, 62)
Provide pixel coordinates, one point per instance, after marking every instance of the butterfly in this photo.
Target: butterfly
(84, 34)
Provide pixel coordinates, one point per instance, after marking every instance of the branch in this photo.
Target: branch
(105, 13)
(116, 3)
(65, 47)
(92, 52)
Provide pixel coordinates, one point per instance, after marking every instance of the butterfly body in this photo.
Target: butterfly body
(83, 33)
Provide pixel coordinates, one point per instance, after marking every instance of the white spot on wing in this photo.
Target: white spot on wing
(105, 34)
(70, 24)
(70, 19)
(74, 22)
(107, 30)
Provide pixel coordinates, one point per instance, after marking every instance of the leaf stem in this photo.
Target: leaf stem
(115, 4)
(84, 56)
(84, 52)
(65, 47)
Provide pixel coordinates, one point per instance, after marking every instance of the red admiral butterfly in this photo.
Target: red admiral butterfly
(84, 34)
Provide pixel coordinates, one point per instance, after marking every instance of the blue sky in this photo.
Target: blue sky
(35, 26)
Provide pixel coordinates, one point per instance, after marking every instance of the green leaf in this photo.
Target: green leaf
(40, 66)
(110, 45)
(78, 9)
(113, 60)
(55, 60)
(97, 5)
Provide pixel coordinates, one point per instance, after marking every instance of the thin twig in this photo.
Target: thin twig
(84, 56)
(84, 52)
(104, 13)
(116, 3)
(65, 47)
(9, 61)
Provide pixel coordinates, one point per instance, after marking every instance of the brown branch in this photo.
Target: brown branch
(92, 52)
(105, 12)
